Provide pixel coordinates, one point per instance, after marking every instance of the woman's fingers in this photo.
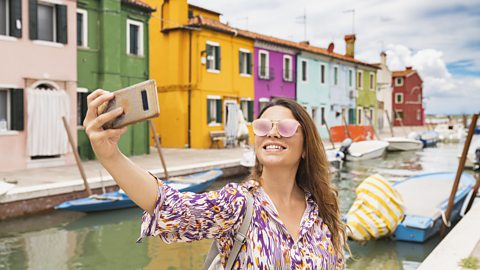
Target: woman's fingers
(100, 120)
(94, 100)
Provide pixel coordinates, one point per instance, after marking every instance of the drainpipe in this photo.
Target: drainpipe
(189, 135)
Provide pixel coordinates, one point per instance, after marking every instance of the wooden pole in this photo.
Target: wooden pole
(389, 123)
(328, 129)
(159, 150)
(346, 126)
(461, 165)
(373, 127)
(77, 157)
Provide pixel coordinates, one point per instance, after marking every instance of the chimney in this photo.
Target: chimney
(331, 46)
(306, 43)
(350, 42)
(409, 68)
(383, 59)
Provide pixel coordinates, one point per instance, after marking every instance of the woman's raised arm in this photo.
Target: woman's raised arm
(139, 185)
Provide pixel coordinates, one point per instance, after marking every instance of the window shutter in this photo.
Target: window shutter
(62, 24)
(219, 111)
(249, 63)
(240, 62)
(209, 109)
(217, 58)
(15, 14)
(250, 111)
(32, 18)
(16, 109)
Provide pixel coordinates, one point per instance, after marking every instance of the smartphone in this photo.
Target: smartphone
(139, 103)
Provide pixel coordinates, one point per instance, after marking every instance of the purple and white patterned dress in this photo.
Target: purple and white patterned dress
(185, 217)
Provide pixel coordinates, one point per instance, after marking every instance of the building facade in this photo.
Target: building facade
(384, 94)
(113, 53)
(407, 98)
(39, 86)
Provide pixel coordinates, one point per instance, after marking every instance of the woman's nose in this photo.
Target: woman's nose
(274, 132)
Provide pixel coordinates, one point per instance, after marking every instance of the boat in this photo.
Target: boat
(451, 133)
(366, 150)
(472, 156)
(424, 214)
(335, 158)
(403, 144)
(118, 199)
(429, 138)
(5, 187)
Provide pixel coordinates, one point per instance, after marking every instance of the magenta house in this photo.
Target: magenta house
(274, 69)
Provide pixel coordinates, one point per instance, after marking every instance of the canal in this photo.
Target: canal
(67, 240)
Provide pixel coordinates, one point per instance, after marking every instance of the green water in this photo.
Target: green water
(67, 240)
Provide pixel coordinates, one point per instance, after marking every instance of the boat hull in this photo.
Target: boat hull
(403, 144)
(366, 150)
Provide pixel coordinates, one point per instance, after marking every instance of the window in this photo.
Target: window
(398, 81)
(247, 109)
(304, 70)
(4, 18)
(82, 28)
(398, 115)
(262, 103)
(134, 38)
(372, 81)
(287, 68)
(350, 78)
(11, 109)
(4, 110)
(46, 22)
(322, 115)
(419, 98)
(360, 80)
(49, 24)
(359, 116)
(245, 62)
(82, 94)
(398, 98)
(213, 56)
(322, 74)
(371, 115)
(214, 110)
(263, 65)
(335, 75)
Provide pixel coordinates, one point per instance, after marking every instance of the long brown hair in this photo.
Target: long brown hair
(313, 173)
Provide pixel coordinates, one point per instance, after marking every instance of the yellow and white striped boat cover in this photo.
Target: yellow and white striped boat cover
(376, 211)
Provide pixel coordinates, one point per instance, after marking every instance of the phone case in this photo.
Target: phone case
(139, 102)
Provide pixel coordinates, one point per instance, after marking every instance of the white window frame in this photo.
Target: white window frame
(399, 83)
(335, 83)
(302, 70)
(260, 101)
(55, 38)
(245, 65)
(359, 82)
(140, 37)
(8, 105)
(247, 100)
(359, 115)
(290, 71)
(372, 79)
(396, 99)
(267, 64)
(84, 27)
(324, 75)
(351, 81)
(215, 69)
(216, 123)
(7, 18)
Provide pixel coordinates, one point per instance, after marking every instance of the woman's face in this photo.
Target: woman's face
(273, 150)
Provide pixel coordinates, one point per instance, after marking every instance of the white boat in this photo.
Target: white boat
(5, 187)
(471, 155)
(451, 133)
(366, 150)
(403, 144)
(335, 158)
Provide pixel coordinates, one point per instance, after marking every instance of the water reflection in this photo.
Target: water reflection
(66, 240)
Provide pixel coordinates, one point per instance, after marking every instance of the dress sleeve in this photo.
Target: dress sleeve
(187, 216)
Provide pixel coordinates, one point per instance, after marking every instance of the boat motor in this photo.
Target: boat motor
(344, 146)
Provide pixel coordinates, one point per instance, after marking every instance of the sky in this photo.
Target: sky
(438, 38)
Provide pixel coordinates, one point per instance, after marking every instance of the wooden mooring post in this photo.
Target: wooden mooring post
(159, 150)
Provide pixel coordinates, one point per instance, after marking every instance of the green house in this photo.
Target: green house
(367, 104)
(112, 40)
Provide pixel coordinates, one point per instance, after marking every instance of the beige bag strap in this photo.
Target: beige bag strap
(239, 239)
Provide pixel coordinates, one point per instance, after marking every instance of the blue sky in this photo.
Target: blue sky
(439, 38)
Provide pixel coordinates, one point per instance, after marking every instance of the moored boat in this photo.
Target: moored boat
(403, 144)
(366, 150)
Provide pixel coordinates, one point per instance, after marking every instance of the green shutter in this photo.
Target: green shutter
(209, 52)
(250, 111)
(208, 111)
(17, 109)
(32, 18)
(15, 15)
(62, 24)
(219, 111)
(249, 63)
(218, 60)
(240, 66)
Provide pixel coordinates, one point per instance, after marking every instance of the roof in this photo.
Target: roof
(204, 9)
(403, 73)
(200, 21)
(139, 3)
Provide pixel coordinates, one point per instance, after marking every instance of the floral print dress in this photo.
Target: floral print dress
(185, 217)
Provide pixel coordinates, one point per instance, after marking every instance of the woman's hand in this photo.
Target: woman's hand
(104, 142)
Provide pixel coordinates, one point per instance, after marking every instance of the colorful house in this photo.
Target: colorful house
(275, 66)
(203, 70)
(384, 94)
(38, 85)
(112, 40)
(407, 98)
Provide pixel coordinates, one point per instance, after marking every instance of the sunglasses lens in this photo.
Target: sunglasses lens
(261, 127)
(287, 127)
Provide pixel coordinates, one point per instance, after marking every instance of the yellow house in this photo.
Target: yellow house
(200, 65)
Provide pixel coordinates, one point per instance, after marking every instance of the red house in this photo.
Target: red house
(407, 97)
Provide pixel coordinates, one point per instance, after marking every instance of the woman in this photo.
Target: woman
(296, 222)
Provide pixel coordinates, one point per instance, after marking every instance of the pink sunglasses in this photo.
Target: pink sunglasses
(285, 127)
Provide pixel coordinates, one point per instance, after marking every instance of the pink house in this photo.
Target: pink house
(37, 82)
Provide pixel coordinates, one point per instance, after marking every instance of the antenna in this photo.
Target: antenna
(303, 20)
(353, 18)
